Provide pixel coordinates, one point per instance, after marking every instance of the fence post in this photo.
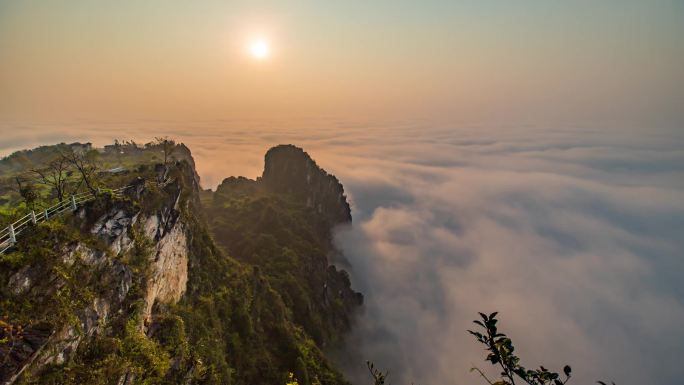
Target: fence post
(33, 217)
(73, 203)
(12, 235)
(46, 214)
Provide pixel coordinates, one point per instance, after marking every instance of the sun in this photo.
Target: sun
(259, 49)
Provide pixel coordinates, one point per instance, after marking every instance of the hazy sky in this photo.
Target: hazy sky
(617, 62)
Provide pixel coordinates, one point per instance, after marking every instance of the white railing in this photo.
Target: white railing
(8, 235)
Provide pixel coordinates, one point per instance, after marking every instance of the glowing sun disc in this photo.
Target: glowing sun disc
(259, 49)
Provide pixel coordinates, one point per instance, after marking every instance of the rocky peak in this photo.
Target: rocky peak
(289, 169)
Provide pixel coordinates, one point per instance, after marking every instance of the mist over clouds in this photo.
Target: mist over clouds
(574, 236)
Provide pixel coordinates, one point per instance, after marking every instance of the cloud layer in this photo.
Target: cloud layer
(574, 236)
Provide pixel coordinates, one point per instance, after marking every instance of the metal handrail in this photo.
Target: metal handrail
(9, 234)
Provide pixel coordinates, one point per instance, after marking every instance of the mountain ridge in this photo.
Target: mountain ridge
(146, 289)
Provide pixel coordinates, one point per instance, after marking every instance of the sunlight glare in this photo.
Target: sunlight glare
(259, 49)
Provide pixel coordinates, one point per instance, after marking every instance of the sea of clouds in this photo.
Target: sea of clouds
(576, 236)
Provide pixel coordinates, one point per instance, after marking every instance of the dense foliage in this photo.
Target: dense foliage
(259, 318)
(291, 245)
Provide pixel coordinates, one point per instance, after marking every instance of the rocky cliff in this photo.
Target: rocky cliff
(134, 289)
(289, 169)
(112, 261)
(281, 223)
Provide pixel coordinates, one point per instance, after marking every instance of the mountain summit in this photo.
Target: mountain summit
(289, 169)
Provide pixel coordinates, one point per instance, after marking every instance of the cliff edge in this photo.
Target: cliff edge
(161, 285)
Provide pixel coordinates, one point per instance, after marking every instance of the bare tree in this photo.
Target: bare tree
(84, 163)
(27, 190)
(168, 146)
(55, 175)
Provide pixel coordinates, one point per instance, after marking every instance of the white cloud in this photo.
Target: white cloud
(578, 247)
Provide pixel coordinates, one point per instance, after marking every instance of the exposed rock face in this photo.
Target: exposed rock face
(122, 227)
(47, 345)
(91, 288)
(114, 228)
(288, 169)
(169, 254)
(170, 266)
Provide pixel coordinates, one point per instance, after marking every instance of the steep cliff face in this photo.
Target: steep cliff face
(290, 170)
(135, 289)
(165, 233)
(111, 261)
(281, 223)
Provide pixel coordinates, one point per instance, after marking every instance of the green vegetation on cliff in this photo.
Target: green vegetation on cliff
(290, 244)
(89, 297)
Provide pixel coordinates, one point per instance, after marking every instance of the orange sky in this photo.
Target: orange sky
(611, 61)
